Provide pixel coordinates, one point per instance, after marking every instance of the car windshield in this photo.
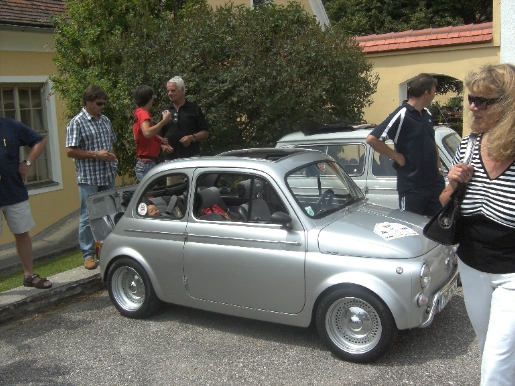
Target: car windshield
(322, 188)
(451, 143)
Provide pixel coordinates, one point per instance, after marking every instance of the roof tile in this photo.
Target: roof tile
(29, 13)
(429, 37)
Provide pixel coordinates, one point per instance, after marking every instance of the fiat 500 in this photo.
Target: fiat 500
(280, 235)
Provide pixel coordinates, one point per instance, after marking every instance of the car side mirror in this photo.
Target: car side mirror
(282, 219)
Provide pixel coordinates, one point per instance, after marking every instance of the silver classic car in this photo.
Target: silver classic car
(280, 235)
(371, 171)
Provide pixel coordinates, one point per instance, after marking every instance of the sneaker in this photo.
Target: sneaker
(90, 263)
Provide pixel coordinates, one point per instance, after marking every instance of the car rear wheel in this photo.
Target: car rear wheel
(130, 289)
(355, 324)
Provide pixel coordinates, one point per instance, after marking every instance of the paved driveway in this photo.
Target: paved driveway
(86, 342)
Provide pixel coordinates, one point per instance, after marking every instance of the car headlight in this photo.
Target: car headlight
(425, 276)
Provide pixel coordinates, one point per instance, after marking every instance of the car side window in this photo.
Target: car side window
(165, 197)
(235, 197)
(351, 157)
(382, 166)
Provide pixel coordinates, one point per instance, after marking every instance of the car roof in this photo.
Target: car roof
(270, 153)
(299, 136)
(270, 160)
(357, 132)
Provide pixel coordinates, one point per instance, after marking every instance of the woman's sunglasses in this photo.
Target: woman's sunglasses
(482, 103)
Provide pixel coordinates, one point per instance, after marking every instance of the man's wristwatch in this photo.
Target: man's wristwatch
(27, 162)
(194, 138)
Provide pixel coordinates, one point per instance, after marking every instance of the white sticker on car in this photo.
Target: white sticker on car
(390, 231)
(142, 209)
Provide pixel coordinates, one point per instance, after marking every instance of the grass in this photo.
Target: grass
(60, 264)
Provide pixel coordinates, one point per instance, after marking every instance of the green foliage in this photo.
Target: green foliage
(364, 17)
(448, 84)
(449, 113)
(256, 73)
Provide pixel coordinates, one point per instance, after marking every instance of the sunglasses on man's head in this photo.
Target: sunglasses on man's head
(482, 103)
(100, 103)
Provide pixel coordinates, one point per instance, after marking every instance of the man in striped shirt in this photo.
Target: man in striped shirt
(90, 142)
(419, 173)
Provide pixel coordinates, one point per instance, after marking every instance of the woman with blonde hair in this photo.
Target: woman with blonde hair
(487, 227)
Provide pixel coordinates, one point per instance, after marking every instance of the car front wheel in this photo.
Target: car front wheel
(130, 289)
(355, 324)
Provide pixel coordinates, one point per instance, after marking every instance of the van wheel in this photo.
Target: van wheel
(355, 324)
(130, 289)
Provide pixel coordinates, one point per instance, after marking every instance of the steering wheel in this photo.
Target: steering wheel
(326, 199)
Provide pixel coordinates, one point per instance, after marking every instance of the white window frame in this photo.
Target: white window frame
(53, 136)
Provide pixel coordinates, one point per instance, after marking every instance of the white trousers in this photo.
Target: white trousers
(490, 303)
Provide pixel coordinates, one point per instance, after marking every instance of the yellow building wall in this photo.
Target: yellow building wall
(397, 67)
(47, 208)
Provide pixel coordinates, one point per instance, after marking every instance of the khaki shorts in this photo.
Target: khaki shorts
(18, 217)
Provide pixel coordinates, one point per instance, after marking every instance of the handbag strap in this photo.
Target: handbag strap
(470, 148)
(459, 192)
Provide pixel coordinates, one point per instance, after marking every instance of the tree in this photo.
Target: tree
(365, 17)
(257, 73)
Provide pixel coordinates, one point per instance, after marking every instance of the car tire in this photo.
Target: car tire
(131, 290)
(355, 324)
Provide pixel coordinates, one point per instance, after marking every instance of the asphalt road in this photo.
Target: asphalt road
(87, 342)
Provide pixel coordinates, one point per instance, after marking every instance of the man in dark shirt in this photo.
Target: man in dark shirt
(410, 127)
(188, 125)
(14, 198)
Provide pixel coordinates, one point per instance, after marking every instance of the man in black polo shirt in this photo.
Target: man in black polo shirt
(410, 127)
(188, 125)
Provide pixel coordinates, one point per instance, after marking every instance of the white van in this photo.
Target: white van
(371, 171)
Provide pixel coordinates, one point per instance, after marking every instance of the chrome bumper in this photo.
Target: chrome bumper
(445, 294)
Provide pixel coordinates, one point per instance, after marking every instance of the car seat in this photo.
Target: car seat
(257, 207)
(207, 198)
(160, 202)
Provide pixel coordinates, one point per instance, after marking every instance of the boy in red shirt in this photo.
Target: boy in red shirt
(148, 143)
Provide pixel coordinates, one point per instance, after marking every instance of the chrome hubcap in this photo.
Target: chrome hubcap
(128, 288)
(353, 325)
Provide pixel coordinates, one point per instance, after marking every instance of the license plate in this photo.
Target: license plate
(447, 295)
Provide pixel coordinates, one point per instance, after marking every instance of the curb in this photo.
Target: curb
(21, 301)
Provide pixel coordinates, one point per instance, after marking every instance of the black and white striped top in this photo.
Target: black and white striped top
(494, 199)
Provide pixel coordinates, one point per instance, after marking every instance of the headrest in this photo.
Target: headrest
(208, 197)
(243, 188)
(158, 201)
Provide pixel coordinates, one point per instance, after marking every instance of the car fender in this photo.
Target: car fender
(380, 288)
(122, 251)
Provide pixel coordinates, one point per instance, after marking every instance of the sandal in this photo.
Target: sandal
(40, 284)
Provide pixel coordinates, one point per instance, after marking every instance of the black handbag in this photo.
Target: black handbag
(443, 227)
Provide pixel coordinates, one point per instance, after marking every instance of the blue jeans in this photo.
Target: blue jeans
(143, 168)
(86, 240)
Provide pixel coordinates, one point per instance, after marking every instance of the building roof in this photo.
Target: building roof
(29, 13)
(429, 37)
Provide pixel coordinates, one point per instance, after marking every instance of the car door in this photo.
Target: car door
(382, 179)
(252, 264)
